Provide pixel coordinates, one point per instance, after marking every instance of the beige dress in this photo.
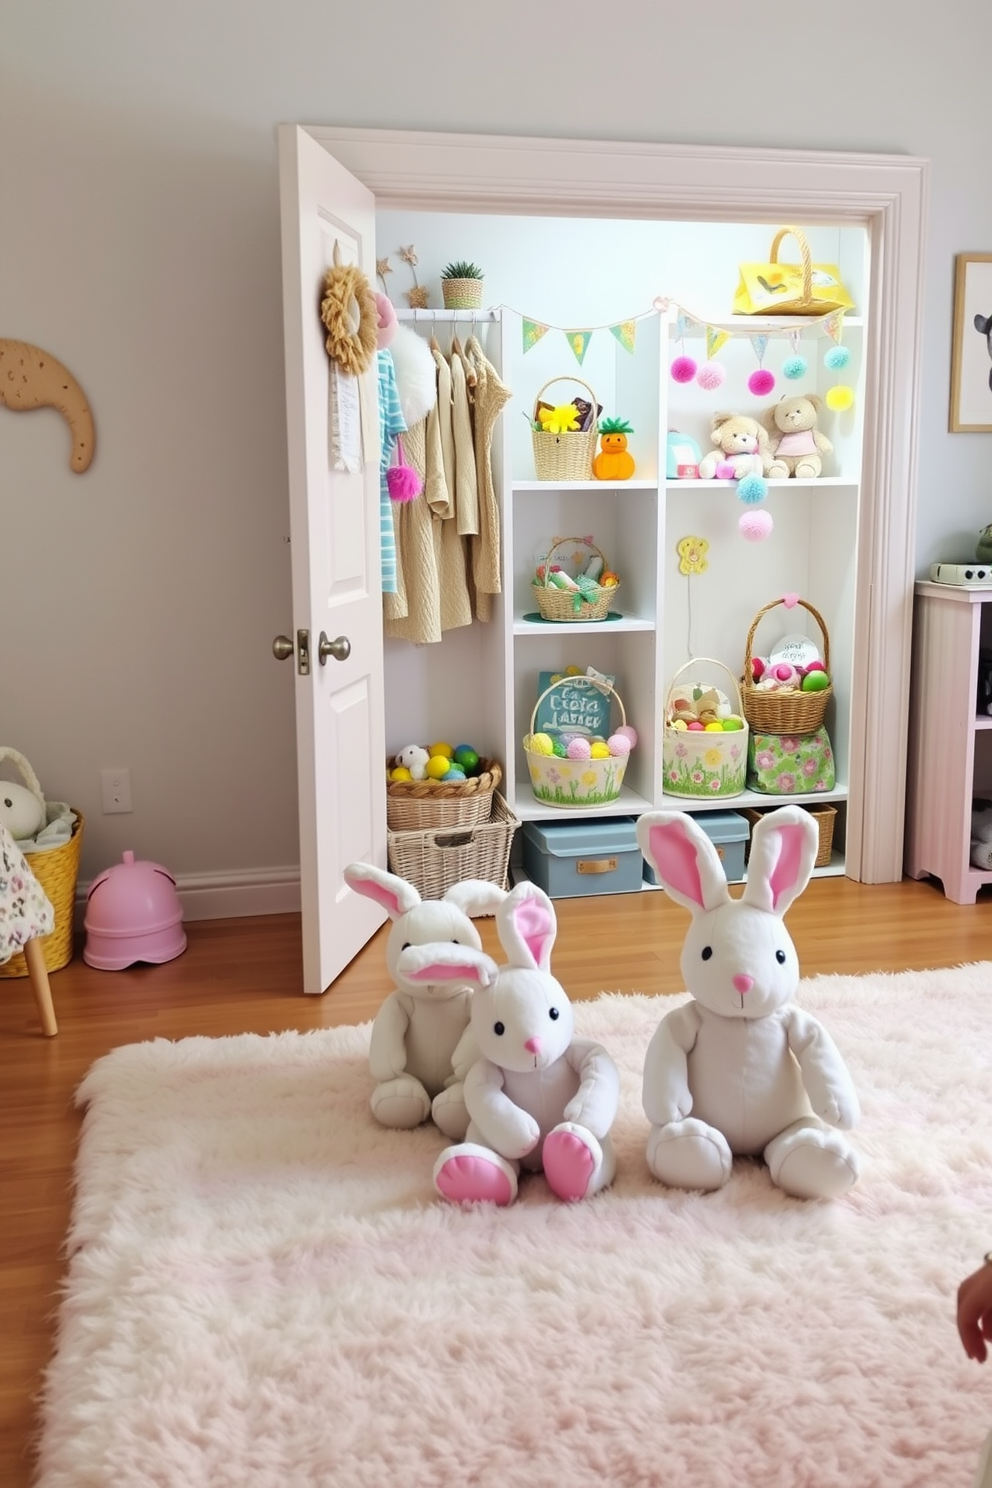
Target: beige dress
(490, 396)
(466, 479)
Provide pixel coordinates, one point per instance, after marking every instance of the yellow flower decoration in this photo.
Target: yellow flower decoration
(712, 757)
(559, 420)
(692, 555)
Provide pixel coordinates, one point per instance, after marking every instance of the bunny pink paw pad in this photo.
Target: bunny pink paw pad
(568, 1164)
(467, 1178)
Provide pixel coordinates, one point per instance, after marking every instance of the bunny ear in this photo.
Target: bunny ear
(394, 894)
(684, 858)
(475, 897)
(446, 962)
(527, 927)
(784, 845)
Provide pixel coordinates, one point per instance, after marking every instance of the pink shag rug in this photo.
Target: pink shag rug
(264, 1291)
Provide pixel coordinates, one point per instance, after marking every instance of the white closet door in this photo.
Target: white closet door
(334, 533)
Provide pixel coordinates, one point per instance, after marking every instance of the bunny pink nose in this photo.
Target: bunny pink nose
(743, 983)
(533, 1045)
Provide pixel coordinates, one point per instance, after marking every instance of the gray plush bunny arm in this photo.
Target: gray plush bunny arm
(465, 1055)
(506, 1128)
(595, 1103)
(387, 1048)
(828, 1084)
(665, 1094)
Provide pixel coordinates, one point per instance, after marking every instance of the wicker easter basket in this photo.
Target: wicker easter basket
(567, 782)
(785, 711)
(568, 456)
(57, 870)
(423, 805)
(569, 604)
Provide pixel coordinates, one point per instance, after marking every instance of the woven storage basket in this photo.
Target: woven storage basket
(784, 712)
(700, 765)
(433, 861)
(824, 815)
(57, 871)
(565, 457)
(566, 782)
(419, 805)
(568, 604)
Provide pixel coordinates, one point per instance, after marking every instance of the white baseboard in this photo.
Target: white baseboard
(227, 896)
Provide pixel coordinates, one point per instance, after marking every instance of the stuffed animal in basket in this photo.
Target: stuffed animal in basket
(22, 807)
(538, 1097)
(741, 448)
(981, 834)
(796, 445)
(741, 1070)
(421, 1023)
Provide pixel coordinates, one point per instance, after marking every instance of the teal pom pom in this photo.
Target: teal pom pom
(837, 357)
(796, 366)
(752, 488)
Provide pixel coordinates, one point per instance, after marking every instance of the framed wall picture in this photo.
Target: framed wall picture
(971, 352)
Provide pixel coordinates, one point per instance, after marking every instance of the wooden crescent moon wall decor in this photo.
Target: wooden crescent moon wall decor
(32, 378)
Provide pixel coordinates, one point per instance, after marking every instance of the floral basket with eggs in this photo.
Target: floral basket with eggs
(574, 586)
(704, 753)
(565, 435)
(568, 768)
(420, 794)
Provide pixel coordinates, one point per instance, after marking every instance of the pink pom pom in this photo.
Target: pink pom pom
(724, 471)
(386, 321)
(618, 744)
(403, 482)
(755, 526)
(711, 375)
(629, 732)
(760, 383)
(683, 369)
(579, 749)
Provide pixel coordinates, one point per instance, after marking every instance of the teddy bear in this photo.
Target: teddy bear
(795, 442)
(741, 448)
(22, 807)
(981, 834)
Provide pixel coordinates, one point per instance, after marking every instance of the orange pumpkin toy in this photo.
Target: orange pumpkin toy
(614, 461)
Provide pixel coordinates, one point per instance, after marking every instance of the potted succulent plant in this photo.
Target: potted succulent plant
(461, 286)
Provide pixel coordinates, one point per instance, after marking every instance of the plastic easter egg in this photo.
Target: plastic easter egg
(453, 775)
(400, 773)
(695, 727)
(541, 744)
(815, 682)
(713, 728)
(442, 748)
(437, 766)
(467, 757)
(732, 724)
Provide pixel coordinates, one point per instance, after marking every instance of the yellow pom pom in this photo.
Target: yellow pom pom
(599, 750)
(540, 744)
(445, 749)
(400, 773)
(437, 765)
(839, 399)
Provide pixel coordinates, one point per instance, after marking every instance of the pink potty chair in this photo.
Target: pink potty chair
(133, 914)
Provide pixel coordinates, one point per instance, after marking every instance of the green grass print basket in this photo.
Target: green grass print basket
(575, 782)
(704, 765)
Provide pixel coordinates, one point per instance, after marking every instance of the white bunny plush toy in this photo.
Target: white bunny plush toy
(741, 1070)
(421, 1023)
(538, 1097)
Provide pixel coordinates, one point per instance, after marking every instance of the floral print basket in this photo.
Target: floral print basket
(707, 766)
(791, 764)
(574, 782)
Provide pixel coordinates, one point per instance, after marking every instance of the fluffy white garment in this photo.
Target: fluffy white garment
(265, 1292)
(416, 374)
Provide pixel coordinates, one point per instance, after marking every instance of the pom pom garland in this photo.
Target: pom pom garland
(752, 489)
(839, 399)
(629, 732)
(711, 376)
(760, 383)
(683, 369)
(755, 526)
(836, 358)
(796, 366)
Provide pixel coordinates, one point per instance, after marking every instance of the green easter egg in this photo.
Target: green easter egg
(468, 758)
(815, 682)
(730, 725)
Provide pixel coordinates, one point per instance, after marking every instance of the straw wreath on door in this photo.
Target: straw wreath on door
(350, 316)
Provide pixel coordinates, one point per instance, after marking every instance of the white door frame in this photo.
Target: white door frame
(885, 193)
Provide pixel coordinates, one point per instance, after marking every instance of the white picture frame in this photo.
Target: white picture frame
(971, 349)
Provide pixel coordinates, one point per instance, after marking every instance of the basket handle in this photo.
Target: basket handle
(800, 237)
(588, 682)
(560, 543)
(774, 606)
(30, 778)
(710, 661)
(566, 377)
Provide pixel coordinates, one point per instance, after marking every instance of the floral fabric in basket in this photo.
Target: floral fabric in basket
(25, 911)
(790, 764)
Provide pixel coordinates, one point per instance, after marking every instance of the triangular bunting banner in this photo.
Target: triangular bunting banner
(682, 324)
(714, 340)
(835, 325)
(760, 344)
(533, 331)
(625, 333)
(579, 342)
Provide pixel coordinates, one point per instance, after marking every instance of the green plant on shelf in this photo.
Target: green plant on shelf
(461, 270)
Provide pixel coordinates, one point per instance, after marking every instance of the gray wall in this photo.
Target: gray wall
(139, 243)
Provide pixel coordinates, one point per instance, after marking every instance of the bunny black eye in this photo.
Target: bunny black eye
(552, 1013)
(405, 946)
(456, 941)
(499, 1029)
(707, 952)
(780, 957)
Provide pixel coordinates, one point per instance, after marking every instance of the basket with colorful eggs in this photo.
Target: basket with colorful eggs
(787, 692)
(439, 785)
(569, 767)
(704, 754)
(574, 581)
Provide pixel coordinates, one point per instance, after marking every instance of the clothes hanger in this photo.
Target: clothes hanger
(434, 345)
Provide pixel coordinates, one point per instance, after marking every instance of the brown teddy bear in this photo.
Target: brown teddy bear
(741, 448)
(796, 443)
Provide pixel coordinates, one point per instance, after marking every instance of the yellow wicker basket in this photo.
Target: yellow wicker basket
(568, 604)
(569, 456)
(784, 711)
(425, 805)
(57, 870)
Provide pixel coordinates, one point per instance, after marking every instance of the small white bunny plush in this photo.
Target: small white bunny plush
(741, 1070)
(538, 1097)
(421, 1023)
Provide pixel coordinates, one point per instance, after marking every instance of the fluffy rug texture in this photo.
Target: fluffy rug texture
(265, 1292)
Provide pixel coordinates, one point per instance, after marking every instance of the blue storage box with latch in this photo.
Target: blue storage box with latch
(573, 858)
(729, 832)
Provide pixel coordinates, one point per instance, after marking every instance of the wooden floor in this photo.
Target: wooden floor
(241, 976)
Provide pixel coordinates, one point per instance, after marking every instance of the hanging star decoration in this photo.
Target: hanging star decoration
(417, 296)
(382, 268)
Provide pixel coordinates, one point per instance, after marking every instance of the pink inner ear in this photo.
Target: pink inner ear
(675, 855)
(380, 894)
(785, 875)
(444, 974)
(533, 925)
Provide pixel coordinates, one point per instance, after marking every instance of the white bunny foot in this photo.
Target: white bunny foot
(401, 1103)
(449, 1113)
(573, 1162)
(689, 1154)
(812, 1162)
(469, 1173)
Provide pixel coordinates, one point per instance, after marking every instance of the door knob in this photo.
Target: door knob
(282, 647)
(339, 648)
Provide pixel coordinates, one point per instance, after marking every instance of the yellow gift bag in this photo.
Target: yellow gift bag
(805, 288)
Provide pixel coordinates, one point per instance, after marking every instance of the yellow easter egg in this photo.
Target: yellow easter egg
(599, 750)
(714, 728)
(541, 744)
(437, 765)
(400, 773)
(573, 671)
(445, 749)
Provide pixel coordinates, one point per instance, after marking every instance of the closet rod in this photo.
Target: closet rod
(479, 317)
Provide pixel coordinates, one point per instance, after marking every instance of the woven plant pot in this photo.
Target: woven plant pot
(784, 711)
(566, 604)
(461, 294)
(420, 805)
(57, 870)
(569, 456)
